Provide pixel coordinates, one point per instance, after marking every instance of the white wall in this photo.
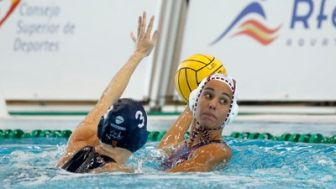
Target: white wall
(77, 64)
(85, 44)
(3, 108)
(298, 65)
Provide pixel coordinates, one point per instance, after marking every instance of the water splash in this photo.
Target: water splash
(255, 164)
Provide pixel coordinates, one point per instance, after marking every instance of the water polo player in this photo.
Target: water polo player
(212, 106)
(105, 139)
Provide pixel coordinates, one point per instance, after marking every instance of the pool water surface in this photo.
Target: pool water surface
(30, 163)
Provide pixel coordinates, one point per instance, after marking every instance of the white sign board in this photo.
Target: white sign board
(60, 49)
(276, 49)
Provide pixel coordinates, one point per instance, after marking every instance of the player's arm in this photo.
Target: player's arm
(144, 43)
(86, 131)
(175, 134)
(204, 159)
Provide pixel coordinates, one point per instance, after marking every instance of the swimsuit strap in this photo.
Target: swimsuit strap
(203, 144)
(85, 160)
(107, 159)
(182, 153)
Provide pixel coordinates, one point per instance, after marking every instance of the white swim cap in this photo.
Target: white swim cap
(195, 94)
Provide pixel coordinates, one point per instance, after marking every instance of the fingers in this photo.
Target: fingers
(150, 26)
(144, 21)
(144, 31)
(139, 26)
(142, 25)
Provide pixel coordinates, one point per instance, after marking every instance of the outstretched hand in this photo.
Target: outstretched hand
(144, 40)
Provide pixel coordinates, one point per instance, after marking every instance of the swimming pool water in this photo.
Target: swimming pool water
(30, 163)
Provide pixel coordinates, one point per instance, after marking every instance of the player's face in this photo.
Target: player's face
(214, 104)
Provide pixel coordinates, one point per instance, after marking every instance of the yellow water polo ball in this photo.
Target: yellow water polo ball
(192, 70)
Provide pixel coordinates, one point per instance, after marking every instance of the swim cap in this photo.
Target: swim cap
(124, 125)
(195, 94)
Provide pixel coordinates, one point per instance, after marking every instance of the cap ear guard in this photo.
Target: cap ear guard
(192, 99)
(194, 94)
(233, 114)
(235, 108)
(100, 125)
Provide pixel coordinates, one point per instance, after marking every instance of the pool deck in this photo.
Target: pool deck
(271, 119)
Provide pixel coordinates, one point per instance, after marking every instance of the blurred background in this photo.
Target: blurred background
(58, 56)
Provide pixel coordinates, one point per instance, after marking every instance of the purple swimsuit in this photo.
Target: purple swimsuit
(182, 154)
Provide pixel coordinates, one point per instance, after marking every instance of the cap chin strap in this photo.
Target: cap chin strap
(205, 137)
(203, 131)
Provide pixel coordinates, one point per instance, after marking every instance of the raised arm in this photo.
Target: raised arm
(144, 43)
(176, 132)
(85, 133)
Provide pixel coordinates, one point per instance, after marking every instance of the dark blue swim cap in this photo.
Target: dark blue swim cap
(125, 125)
